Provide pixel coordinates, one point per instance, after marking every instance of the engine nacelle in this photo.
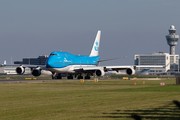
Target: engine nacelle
(36, 72)
(20, 70)
(100, 72)
(130, 71)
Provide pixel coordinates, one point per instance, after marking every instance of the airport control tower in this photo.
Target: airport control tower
(172, 39)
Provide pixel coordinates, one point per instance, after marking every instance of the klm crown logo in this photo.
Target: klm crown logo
(96, 46)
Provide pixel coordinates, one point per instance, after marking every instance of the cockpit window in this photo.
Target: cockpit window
(53, 54)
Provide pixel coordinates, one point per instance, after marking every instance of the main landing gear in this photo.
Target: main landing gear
(59, 76)
(85, 77)
(80, 77)
(70, 77)
(56, 76)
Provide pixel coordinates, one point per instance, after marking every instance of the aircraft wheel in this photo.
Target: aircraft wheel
(70, 77)
(87, 77)
(58, 76)
(80, 77)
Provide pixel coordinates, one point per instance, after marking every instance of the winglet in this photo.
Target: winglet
(95, 48)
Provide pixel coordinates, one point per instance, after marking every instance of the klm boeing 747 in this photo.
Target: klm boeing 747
(60, 63)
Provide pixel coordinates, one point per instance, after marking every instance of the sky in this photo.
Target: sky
(29, 28)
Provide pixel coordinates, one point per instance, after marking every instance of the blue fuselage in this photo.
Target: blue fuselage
(64, 59)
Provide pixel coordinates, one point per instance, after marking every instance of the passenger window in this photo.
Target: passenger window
(53, 54)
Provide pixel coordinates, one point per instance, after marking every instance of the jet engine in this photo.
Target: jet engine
(20, 70)
(130, 71)
(36, 72)
(99, 72)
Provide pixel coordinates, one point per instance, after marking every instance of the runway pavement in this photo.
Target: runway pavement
(21, 81)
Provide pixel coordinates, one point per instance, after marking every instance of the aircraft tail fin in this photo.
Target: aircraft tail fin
(95, 48)
(5, 62)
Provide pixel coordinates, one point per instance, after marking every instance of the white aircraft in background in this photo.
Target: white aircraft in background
(60, 63)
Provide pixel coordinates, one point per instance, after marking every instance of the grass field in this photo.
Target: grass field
(103, 100)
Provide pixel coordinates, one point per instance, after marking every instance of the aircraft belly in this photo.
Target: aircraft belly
(62, 70)
(68, 69)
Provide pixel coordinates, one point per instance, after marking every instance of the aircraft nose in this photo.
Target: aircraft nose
(48, 63)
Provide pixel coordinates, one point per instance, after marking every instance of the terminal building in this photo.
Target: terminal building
(41, 60)
(170, 61)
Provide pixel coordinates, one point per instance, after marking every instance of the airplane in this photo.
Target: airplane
(63, 63)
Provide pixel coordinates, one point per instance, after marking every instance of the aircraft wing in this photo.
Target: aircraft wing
(99, 70)
(43, 67)
(88, 68)
(108, 68)
(116, 68)
(36, 70)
